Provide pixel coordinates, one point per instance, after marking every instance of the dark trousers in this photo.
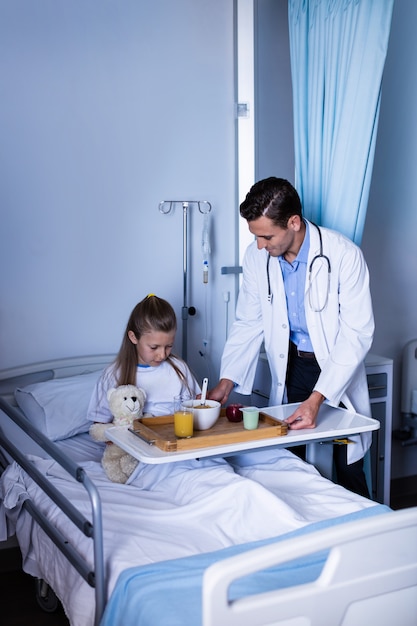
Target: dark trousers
(302, 375)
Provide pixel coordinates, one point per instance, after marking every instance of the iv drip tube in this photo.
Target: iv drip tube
(205, 244)
(165, 207)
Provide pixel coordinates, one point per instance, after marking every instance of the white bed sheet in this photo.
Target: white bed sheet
(167, 512)
(81, 448)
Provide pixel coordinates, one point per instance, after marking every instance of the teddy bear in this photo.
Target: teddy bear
(126, 403)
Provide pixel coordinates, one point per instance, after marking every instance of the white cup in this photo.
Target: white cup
(250, 417)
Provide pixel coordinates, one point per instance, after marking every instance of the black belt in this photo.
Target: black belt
(300, 353)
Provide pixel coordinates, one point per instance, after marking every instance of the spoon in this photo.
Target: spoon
(204, 391)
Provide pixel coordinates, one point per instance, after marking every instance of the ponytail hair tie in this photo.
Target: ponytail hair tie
(150, 295)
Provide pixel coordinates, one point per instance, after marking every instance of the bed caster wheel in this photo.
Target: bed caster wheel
(45, 597)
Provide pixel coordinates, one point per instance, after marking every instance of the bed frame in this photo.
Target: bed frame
(384, 589)
(18, 426)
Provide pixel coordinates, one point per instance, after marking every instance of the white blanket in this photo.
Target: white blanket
(169, 511)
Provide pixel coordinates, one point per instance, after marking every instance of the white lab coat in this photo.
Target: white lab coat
(341, 334)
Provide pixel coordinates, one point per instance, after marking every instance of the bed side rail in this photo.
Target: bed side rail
(92, 530)
(351, 589)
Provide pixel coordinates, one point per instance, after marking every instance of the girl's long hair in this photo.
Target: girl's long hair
(150, 314)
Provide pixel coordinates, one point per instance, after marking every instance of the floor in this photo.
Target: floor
(19, 606)
(18, 602)
(404, 492)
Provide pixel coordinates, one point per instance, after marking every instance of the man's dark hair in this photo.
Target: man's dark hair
(274, 198)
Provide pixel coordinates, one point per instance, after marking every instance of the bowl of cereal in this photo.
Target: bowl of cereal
(205, 415)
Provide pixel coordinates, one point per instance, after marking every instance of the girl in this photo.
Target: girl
(145, 360)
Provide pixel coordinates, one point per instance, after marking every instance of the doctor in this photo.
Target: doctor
(305, 293)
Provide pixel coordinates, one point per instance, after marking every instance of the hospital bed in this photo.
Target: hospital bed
(261, 538)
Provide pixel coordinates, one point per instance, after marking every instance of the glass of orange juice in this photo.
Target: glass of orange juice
(183, 418)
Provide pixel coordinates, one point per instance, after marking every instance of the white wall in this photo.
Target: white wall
(274, 114)
(389, 241)
(106, 109)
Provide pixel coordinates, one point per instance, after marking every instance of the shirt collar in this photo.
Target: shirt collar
(302, 255)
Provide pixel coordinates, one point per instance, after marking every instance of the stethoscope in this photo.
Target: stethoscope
(315, 259)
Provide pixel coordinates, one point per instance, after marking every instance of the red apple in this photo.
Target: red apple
(234, 413)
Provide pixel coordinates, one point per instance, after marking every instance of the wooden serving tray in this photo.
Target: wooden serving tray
(159, 431)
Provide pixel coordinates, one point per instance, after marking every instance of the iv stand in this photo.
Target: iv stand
(166, 207)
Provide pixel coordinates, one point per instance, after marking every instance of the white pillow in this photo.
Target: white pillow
(58, 407)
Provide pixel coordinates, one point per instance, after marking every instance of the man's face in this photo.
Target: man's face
(277, 240)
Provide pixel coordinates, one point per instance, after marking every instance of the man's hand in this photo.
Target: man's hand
(221, 391)
(306, 414)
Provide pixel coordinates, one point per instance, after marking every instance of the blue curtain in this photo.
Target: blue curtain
(338, 50)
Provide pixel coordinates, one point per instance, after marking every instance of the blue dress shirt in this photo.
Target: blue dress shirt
(294, 275)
